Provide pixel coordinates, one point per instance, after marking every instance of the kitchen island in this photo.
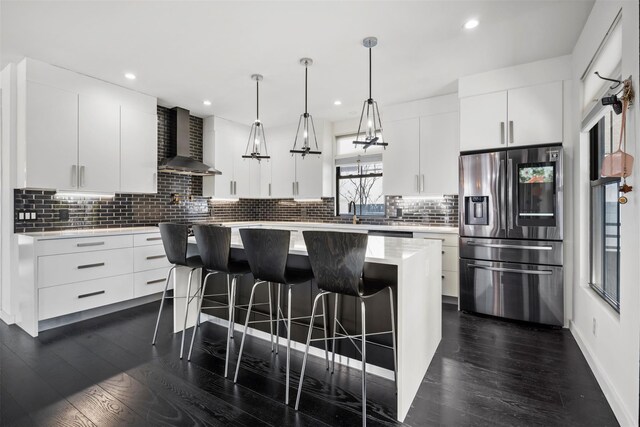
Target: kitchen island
(411, 266)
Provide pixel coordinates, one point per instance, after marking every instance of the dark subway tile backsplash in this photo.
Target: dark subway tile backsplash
(127, 210)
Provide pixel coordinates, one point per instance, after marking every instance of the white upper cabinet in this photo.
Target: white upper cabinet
(401, 159)
(138, 151)
(308, 182)
(74, 133)
(98, 143)
(283, 164)
(224, 148)
(535, 114)
(483, 121)
(52, 135)
(439, 149)
(516, 117)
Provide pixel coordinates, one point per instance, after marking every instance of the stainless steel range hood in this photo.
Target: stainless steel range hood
(183, 163)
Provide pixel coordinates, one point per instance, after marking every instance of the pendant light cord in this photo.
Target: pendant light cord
(257, 99)
(306, 69)
(370, 97)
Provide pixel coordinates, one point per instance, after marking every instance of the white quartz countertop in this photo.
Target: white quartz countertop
(94, 232)
(90, 232)
(342, 226)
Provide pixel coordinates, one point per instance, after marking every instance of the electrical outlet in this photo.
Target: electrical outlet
(33, 215)
(21, 216)
(594, 326)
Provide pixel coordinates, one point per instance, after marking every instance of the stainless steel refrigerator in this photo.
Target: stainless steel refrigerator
(511, 234)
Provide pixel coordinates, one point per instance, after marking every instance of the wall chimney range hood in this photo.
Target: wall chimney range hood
(183, 163)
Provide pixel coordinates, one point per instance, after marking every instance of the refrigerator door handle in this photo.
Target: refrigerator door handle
(510, 201)
(512, 270)
(505, 246)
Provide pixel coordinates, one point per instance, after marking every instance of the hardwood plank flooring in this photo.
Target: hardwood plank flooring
(104, 371)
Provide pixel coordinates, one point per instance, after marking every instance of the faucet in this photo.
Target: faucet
(352, 205)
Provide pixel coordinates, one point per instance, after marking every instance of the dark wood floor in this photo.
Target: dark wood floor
(104, 372)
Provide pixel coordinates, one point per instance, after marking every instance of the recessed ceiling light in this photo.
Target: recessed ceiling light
(206, 102)
(337, 102)
(130, 76)
(471, 24)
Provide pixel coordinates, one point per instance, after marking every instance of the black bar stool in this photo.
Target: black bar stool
(175, 239)
(214, 245)
(267, 251)
(337, 261)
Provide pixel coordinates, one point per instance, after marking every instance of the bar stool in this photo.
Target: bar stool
(267, 251)
(214, 245)
(175, 239)
(337, 261)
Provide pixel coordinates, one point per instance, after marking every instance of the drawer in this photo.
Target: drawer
(450, 258)
(150, 282)
(450, 283)
(65, 299)
(83, 244)
(69, 268)
(147, 239)
(149, 258)
(448, 239)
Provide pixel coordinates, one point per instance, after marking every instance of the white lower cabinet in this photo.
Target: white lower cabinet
(450, 261)
(70, 298)
(76, 273)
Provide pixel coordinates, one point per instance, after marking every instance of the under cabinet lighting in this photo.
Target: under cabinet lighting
(206, 102)
(72, 195)
(471, 24)
(307, 200)
(130, 76)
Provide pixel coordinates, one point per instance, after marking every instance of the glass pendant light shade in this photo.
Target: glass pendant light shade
(306, 129)
(370, 127)
(257, 144)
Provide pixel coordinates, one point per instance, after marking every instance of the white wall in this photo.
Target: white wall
(613, 352)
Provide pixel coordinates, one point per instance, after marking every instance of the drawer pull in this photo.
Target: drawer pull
(156, 256)
(84, 245)
(97, 264)
(151, 239)
(151, 282)
(91, 294)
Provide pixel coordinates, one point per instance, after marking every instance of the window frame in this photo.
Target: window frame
(359, 176)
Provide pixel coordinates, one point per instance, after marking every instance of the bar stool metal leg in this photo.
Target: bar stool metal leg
(164, 295)
(244, 331)
(324, 326)
(286, 398)
(186, 310)
(200, 299)
(393, 337)
(335, 325)
(270, 316)
(364, 364)
(231, 318)
(306, 349)
(232, 303)
(278, 319)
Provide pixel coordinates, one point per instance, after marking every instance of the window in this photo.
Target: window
(605, 213)
(358, 178)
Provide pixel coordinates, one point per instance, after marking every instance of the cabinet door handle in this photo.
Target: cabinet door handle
(91, 294)
(151, 282)
(269, 188)
(511, 132)
(297, 188)
(293, 188)
(156, 256)
(97, 264)
(512, 270)
(151, 239)
(74, 176)
(417, 182)
(81, 176)
(502, 138)
(235, 188)
(422, 183)
(84, 245)
(231, 188)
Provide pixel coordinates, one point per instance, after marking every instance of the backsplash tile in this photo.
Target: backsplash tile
(126, 210)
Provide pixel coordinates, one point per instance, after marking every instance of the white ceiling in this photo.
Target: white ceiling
(185, 52)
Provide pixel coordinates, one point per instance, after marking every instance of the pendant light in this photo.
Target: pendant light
(257, 142)
(305, 123)
(370, 127)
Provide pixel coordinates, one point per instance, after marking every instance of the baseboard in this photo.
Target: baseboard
(7, 318)
(446, 299)
(297, 346)
(619, 410)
